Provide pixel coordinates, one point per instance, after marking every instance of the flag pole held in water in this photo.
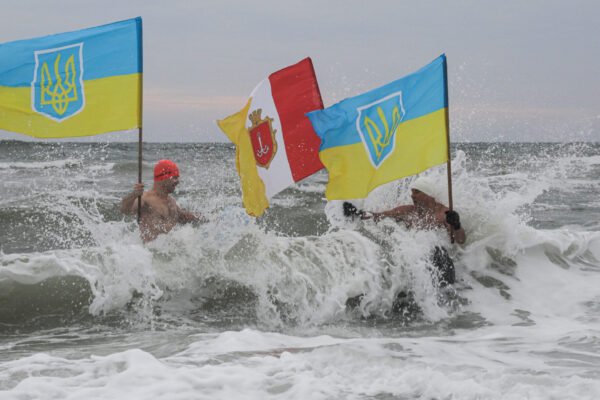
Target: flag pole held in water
(140, 111)
(139, 213)
(448, 162)
(388, 133)
(72, 84)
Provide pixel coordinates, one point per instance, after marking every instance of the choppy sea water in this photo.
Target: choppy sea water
(256, 308)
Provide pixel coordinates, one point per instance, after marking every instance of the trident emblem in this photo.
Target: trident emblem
(382, 140)
(377, 133)
(57, 87)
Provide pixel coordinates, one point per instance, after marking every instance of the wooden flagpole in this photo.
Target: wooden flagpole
(139, 218)
(141, 105)
(448, 162)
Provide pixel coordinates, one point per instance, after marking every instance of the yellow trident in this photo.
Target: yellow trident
(381, 142)
(58, 95)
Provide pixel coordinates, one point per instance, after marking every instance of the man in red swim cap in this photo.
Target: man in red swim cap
(160, 213)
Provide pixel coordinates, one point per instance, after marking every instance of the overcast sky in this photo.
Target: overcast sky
(526, 70)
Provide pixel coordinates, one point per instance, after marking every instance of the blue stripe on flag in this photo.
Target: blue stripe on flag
(423, 92)
(108, 50)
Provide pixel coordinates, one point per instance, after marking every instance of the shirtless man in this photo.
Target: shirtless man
(424, 213)
(160, 213)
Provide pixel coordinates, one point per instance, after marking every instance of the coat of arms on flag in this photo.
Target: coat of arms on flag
(277, 105)
(262, 136)
(70, 84)
(377, 124)
(57, 86)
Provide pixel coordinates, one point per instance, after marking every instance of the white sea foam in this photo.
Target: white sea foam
(527, 325)
(516, 363)
(37, 165)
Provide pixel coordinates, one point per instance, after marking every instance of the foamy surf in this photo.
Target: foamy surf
(255, 308)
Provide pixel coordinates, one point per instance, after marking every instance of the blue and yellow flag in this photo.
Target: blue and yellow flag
(397, 130)
(73, 84)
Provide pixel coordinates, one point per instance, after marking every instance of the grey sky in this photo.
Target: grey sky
(518, 70)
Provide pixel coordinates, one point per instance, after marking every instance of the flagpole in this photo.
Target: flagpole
(448, 162)
(141, 105)
(139, 218)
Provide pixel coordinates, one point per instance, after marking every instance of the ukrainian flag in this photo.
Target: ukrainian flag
(386, 134)
(73, 84)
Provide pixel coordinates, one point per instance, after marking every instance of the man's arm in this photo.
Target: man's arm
(129, 205)
(459, 235)
(398, 213)
(185, 217)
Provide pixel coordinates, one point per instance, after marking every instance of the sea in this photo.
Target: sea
(257, 308)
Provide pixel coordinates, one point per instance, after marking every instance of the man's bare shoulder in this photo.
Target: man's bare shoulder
(150, 196)
(152, 200)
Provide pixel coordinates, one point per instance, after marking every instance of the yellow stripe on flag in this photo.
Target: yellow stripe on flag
(111, 104)
(353, 176)
(253, 188)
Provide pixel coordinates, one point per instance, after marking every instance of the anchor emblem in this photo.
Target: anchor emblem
(262, 136)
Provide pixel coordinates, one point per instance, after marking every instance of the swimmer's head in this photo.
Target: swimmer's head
(165, 169)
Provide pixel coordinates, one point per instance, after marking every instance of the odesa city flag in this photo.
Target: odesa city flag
(275, 143)
(397, 130)
(77, 83)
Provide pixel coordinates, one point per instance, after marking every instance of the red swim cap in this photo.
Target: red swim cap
(165, 169)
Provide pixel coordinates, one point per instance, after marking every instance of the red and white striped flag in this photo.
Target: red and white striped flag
(275, 142)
